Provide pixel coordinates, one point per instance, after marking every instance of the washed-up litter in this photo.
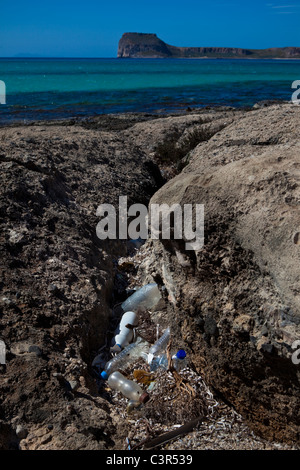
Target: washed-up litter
(128, 388)
(155, 380)
(181, 412)
(124, 358)
(178, 361)
(143, 377)
(125, 331)
(2, 352)
(147, 297)
(159, 346)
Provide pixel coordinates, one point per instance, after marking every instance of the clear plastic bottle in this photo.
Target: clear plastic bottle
(123, 359)
(127, 387)
(2, 352)
(179, 360)
(161, 361)
(159, 346)
(147, 296)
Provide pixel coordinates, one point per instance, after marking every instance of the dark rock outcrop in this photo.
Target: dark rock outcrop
(143, 45)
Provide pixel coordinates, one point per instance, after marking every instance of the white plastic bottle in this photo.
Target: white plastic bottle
(147, 296)
(124, 333)
(128, 388)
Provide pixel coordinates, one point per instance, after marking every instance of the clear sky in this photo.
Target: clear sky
(92, 28)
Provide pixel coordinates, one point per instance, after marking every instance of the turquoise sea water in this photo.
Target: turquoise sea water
(59, 88)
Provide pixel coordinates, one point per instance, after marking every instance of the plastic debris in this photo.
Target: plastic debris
(147, 297)
(161, 361)
(179, 360)
(143, 377)
(2, 352)
(159, 346)
(125, 331)
(123, 359)
(128, 388)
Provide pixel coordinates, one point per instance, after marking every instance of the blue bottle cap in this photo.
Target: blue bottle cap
(104, 375)
(181, 354)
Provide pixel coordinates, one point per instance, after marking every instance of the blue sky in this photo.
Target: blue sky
(92, 28)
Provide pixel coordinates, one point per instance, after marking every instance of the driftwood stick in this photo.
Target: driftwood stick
(168, 436)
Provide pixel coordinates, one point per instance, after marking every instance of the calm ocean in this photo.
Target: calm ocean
(59, 88)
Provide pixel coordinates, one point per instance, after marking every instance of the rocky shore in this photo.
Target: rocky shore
(234, 305)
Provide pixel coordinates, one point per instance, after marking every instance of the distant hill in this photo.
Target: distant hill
(144, 45)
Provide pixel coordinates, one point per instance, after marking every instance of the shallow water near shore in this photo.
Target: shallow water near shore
(63, 88)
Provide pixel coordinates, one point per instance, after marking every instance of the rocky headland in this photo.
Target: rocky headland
(234, 305)
(148, 45)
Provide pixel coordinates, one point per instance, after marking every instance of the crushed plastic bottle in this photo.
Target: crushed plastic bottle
(125, 331)
(128, 388)
(147, 296)
(123, 359)
(161, 361)
(159, 346)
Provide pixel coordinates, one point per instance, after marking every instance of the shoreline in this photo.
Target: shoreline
(135, 115)
(141, 58)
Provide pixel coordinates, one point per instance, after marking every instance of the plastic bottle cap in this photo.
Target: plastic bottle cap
(104, 375)
(144, 397)
(181, 354)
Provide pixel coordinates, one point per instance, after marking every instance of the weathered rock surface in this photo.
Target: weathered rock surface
(237, 300)
(235, 304)
(57, 278)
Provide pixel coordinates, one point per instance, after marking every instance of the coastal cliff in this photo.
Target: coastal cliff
(144, 45)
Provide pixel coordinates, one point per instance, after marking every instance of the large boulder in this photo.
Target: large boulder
(237, 300)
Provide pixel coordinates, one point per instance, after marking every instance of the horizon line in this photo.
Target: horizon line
(147, 58)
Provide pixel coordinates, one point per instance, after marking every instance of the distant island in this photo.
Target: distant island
(148, 45)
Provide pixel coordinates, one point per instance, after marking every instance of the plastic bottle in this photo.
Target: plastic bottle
(122, 340)
(179, 360)
(122, 359)
(2, 352)
(128, 388)
(124, 334)
(129, 318)
(159, 346)
(161, 361)
(147, 296)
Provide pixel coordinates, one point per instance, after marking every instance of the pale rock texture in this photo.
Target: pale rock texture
(237, 300)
